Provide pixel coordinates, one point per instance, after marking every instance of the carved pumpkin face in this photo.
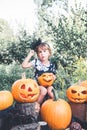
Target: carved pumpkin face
(77, 94)
(46, 79)
(25, 90)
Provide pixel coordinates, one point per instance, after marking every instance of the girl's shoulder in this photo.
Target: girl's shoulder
(36, 62)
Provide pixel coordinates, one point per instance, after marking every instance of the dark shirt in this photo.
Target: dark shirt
(40, 68)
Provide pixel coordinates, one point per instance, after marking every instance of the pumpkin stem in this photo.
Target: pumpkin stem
(23, 75)
(56, 97)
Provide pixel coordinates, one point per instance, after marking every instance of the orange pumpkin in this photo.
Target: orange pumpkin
(46, 79)
(6, 99)
(57, 114)
(77, 93)
(25, 90)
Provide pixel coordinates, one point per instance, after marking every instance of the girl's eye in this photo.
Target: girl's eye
(39, 51)
(42, 51)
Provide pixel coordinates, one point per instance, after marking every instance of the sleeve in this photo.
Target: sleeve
(33, 62)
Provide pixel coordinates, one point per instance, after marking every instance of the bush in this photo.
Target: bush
(10, 73)
(70, 75)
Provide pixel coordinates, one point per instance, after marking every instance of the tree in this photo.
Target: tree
(6, 38)
(6, 34)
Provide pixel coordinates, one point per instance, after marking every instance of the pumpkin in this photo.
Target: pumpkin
(6, 99)
(77, 93)
(57, 113)
(83, 83)
(25, 90)
(46, 79)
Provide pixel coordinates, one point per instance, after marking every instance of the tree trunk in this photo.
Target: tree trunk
(30, 110)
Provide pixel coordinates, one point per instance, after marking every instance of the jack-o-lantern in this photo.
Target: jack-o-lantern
(77, 94)
(46, 79)
(6, 99)
(25, 90)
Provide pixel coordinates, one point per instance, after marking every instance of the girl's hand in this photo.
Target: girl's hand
(26, 63)
(31, 52)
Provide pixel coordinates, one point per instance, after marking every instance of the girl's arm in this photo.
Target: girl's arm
(26, 63)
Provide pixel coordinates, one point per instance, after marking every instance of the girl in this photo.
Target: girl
(41, 65)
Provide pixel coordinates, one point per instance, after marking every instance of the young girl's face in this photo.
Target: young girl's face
(43, 54)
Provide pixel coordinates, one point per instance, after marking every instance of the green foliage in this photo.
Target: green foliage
(84, 20)
(10, 73)
(69, 76)
(62, 82)
(6, 34)
(80, 70)
(17, 50)
(67, 43)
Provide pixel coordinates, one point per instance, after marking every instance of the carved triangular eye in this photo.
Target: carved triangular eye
(23, 86)
(73, 91)
(43, 75)
(84, 92)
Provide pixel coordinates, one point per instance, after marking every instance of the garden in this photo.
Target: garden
(67, 37)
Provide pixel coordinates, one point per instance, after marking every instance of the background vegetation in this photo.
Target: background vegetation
(67, 36)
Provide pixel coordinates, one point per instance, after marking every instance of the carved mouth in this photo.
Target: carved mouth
(26, 96)
(78, 99)
(47, 80)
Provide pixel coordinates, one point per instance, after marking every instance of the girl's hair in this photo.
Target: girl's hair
(43, 46)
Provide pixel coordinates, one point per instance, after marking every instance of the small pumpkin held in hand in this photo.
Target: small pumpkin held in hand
(46, 79)
(57, 113)
(77, 93)
(25, 90)
(6, 99)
